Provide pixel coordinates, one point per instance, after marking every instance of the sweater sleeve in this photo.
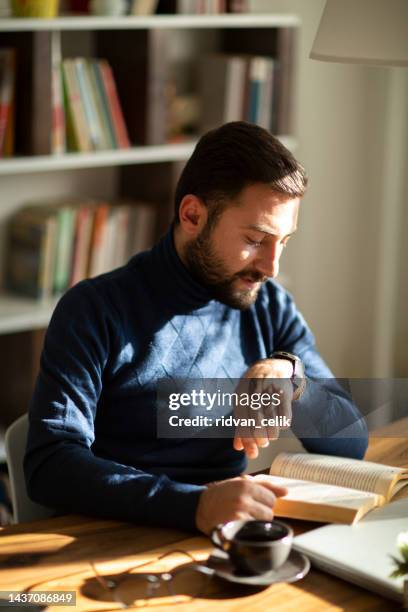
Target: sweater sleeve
(60, 468)
(325, 418)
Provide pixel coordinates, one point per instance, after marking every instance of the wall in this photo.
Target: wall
(401, 328)
(342, 116)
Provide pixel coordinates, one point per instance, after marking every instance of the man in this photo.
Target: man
(198, 305)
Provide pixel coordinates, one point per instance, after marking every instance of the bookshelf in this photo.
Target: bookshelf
(86, 23)
(146, 170)
(18, 314)
(97, 159)
(100, 159)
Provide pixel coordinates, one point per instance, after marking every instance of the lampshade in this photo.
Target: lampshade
(363, 32)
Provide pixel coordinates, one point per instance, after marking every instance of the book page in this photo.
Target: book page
(315, 493)
(400, 489)
(339, 471)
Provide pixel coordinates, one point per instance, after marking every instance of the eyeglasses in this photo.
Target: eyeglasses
(191, 579)
(130, 587)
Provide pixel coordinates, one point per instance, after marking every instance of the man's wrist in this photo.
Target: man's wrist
(298, 372)
(282, 368)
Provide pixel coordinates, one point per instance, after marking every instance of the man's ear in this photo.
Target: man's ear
(193, 215)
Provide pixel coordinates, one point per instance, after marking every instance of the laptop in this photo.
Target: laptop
(361, 553)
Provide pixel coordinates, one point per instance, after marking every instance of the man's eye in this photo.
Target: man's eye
(254, 243)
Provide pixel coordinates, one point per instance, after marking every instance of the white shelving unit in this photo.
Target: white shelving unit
(99, 159)
(19, 314)
(23, 314)
(149, 22)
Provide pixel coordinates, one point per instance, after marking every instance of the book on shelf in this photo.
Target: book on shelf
(119, 253)
(7, 100)
(143, 94)
(332, 489)
(114, 252)
(78, 136)
(261, 71)
(93, 108)
(135, 7)
(270, 74)
(55, 244)
(211, 7)
(237, 6)
(58, 123)
(99, 242)
(201, 7)
(143, 7)
(237, 88)
(94, 126)
(48, 117)
(70, 104)
(82, 241)
(65, 213)
(32, 239)
(222, 86)
(120, 230)
(111, 103)
(284, 81)
(101, 103)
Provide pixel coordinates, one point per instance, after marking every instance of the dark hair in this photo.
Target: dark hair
(235, 155)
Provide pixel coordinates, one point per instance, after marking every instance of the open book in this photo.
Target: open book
(333, 489)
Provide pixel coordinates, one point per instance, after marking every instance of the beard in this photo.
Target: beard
(209, 269)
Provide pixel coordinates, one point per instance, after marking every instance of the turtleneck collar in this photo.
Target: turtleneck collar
(172, 279)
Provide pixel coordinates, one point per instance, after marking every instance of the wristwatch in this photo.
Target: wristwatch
(298, 374)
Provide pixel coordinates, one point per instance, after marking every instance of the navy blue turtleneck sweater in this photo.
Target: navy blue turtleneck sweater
(92, 446)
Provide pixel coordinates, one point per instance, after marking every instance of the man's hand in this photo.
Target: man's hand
(237, 498)
(260, 375)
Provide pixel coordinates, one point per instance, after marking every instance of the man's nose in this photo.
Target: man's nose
(268, 262)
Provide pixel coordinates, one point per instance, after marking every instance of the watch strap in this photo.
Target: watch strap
(298, 373)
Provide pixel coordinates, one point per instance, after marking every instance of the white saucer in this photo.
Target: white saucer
(295, 568)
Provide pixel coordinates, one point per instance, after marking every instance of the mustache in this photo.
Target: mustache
(256, 277)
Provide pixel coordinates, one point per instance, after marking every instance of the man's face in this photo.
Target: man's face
(243, 249)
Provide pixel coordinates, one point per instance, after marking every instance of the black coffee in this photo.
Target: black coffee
(260, 531)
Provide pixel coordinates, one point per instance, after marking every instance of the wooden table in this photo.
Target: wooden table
(55, 554)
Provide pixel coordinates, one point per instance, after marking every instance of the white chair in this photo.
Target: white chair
(24, 509)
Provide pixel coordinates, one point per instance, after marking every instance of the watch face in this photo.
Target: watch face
(298, 376)
(298, 369)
